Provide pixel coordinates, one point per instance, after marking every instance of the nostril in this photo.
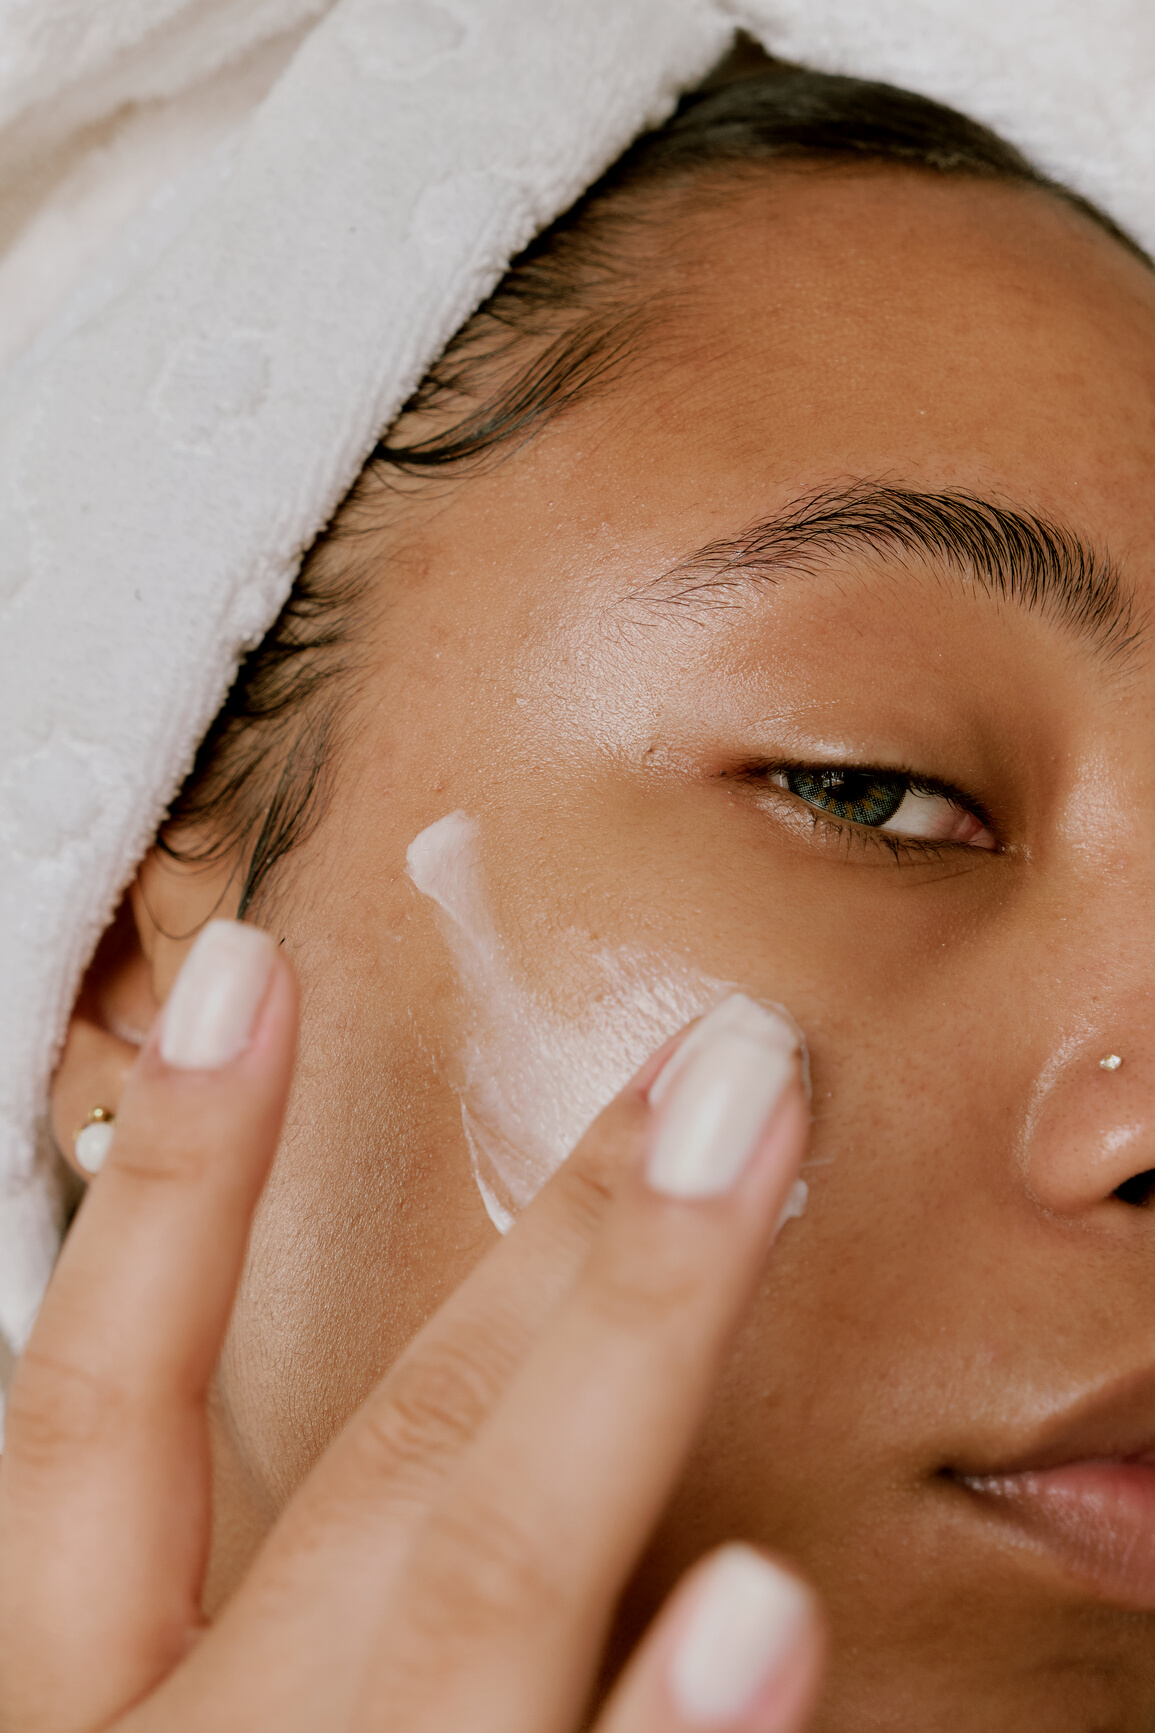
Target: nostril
(1139, 1190)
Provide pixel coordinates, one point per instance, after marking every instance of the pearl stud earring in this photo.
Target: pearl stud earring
(92, 1141)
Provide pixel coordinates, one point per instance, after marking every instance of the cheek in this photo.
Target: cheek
(889, 977)
(918, 1067)
(370, 1218)
(548, 1032)
(587, 932)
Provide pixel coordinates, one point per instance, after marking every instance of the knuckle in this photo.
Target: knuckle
(56, 1408)
(427, 1409)
(590, 1185)
(640, 1294)
(180, 1155)
(604, 1156)
(483, 1559)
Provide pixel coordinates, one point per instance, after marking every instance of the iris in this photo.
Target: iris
(862, 796)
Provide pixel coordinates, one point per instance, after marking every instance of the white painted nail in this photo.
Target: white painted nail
(746, 1620)
(715, 1095)
(209, 1017)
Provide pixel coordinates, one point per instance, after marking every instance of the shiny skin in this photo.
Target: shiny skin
(963, 1277)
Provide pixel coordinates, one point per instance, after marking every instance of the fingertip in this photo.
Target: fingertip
(722, 1099)
(747, 1644)
(739, 1646)
(211, 1013)
(739, 1640)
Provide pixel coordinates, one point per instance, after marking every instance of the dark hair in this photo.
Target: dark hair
(563, 322)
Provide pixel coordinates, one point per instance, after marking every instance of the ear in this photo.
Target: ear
(128, 980)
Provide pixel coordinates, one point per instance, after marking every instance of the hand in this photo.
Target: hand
(452, 1562)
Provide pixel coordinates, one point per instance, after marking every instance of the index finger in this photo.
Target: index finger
(379, 1476)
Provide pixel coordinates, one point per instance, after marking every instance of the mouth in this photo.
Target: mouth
(1084, 1492)
(1096, 1517)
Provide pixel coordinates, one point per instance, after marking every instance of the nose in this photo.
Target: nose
(1089, 1139)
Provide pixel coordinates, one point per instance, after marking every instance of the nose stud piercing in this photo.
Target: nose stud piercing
(92, 1141)
(1111, 1063)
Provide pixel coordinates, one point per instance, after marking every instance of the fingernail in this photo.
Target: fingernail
(715, 1095)
(215, 999)
(746, 1620)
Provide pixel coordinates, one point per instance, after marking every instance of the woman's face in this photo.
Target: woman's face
(635, 731)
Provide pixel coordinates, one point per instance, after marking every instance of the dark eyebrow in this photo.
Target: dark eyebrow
(1012, 555)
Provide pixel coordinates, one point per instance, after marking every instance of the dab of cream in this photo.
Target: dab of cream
(531, 1079)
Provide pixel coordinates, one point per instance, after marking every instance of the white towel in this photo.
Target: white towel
(237, 233)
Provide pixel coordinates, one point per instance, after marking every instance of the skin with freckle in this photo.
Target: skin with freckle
(964, 1272)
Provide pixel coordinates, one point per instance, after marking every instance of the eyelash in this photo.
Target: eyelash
(871, 838)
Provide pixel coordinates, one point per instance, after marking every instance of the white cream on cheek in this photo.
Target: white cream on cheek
(530, 1078)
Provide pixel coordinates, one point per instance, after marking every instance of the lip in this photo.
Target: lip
(1084, 1489)
(1097, 1518)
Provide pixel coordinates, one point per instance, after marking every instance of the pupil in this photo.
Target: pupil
(854, 794)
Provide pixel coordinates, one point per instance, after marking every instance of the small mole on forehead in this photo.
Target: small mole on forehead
(1111, 1063)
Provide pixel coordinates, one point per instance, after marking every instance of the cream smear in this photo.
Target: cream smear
(530, 1078)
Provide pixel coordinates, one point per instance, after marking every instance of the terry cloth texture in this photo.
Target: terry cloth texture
(235, 234)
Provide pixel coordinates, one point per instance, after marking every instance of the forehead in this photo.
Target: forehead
(812, 333)
(952, 330)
